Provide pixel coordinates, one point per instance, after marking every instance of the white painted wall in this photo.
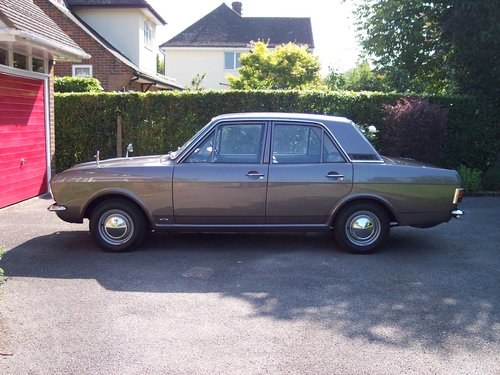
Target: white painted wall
(184, 63)
(124, 29)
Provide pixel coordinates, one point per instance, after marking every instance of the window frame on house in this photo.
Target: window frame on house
(148, 34)
(31, 62)
(234, 60)
(5, 59)
(82, 66)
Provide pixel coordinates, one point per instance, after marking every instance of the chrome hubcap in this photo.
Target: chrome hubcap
(116, 227)
(363, 228)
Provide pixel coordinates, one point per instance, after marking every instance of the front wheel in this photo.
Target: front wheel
(361, 227)
(117, 225)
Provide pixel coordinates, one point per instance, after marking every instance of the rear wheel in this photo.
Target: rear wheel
(117, 225)
(361, 227)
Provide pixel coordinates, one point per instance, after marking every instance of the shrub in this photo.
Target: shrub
(414, 128)
(75, 84)
(491, 179)
(471, 178)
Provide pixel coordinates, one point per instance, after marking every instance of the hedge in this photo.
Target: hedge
(161, 121)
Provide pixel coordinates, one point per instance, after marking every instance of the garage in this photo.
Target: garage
(23, 138)
(30, 43)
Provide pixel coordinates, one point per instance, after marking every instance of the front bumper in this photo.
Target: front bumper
(56, 208)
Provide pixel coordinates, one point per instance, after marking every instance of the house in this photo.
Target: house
(121, 37)
(30, 43)
(212, 45)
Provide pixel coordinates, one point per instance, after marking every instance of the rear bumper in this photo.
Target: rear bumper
(457, 214)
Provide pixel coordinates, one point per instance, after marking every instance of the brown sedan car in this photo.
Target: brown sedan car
(255, 172)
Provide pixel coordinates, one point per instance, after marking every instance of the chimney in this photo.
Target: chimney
(237, 5)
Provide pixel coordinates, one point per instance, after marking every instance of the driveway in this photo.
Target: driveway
(427, 303)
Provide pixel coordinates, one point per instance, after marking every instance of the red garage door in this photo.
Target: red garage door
(23, 157)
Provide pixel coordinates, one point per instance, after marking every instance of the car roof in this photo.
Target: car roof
(281, 116)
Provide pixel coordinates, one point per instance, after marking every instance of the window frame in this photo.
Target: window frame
(215, 135)
(325, 134)
(236, 64)
(82, 66)
(148, 34)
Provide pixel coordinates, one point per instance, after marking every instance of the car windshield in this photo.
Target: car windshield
(174, 154)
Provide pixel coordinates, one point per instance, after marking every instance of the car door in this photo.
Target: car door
(307, 175)
(223, 180)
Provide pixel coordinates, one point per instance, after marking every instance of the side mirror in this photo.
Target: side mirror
(130, 148)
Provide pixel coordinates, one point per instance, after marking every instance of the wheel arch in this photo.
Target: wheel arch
(126, 196)
(384, 204)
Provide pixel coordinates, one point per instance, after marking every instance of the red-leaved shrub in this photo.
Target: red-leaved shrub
(414, 128)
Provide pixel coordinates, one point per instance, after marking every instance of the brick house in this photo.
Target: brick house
(213, 44)
(120, 37)
(30, 44)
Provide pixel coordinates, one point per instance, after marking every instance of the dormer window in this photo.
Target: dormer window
(148, 34)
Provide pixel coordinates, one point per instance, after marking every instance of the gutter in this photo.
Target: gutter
(58, 49)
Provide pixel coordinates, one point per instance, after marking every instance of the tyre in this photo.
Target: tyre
(117, 225)
(361, 228)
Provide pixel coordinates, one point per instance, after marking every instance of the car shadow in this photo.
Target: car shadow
(413, 290)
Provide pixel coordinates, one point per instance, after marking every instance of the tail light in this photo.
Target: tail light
(459, 194)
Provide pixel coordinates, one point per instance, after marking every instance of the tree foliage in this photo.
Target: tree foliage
(416, 129)
(160, 64)
(360, 78)
(288, 66)
(77, 84)
(433, 46)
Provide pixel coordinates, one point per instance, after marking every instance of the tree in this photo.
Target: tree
(288, 66)
(433, 46)
(404, 39)
(472, 29)
(160, 64)
(196, 82)
(360, 78)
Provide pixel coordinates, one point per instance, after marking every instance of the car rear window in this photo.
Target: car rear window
(353, 141)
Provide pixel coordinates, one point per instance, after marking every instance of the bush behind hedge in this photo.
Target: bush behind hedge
(161, 121)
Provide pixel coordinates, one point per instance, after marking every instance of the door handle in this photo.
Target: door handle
(255, 174)
(335, 176)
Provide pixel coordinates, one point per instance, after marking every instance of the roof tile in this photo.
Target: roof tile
(25, 16)
(223, 27)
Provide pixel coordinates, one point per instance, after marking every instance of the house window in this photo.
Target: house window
(231, 60)
(20, 61)
(82, 71)
(38, 65)
(148, 34)
(4, 57)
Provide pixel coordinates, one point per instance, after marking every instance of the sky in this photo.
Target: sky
(332, 23)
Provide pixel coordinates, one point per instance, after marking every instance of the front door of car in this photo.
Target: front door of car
(223, 180)
(307, 175)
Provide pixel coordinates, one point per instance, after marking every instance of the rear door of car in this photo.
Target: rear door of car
(308, 174)
(223, 180)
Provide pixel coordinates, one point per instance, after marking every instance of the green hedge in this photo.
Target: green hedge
(158, 122)
(77, 84)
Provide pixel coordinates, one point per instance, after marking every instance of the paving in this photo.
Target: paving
(427, 303)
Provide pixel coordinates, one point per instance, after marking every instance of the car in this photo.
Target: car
(259, 172)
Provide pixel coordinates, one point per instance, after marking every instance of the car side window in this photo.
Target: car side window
(231, 143)
(202, 153)
(302, 144)
(331, 153)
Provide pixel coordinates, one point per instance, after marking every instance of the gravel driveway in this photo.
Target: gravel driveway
(427, 303)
